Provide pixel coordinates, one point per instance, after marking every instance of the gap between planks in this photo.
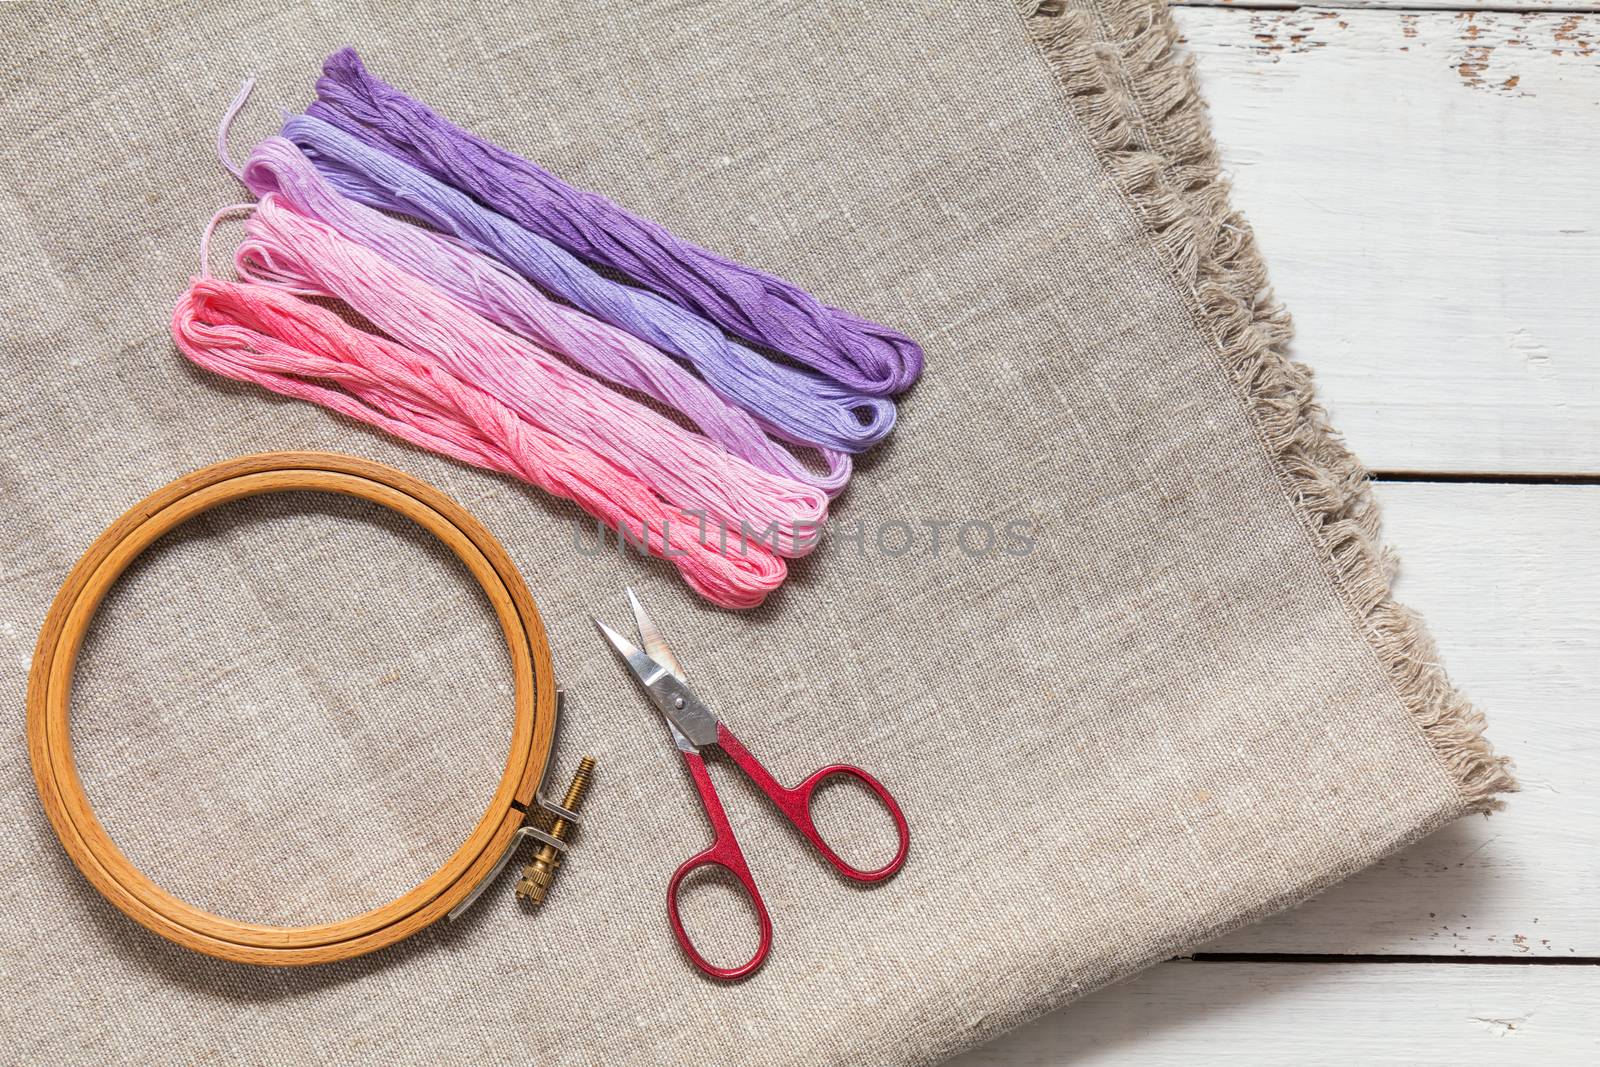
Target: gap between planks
(1373, 957)
(1506, 7)
(1487, 477)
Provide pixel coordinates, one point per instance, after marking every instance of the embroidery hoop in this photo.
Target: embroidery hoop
(449, 889)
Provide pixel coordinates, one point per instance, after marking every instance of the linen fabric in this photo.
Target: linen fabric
(1106, 612)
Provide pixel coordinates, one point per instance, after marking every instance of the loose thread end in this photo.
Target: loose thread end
(211, 227)
(227, 123)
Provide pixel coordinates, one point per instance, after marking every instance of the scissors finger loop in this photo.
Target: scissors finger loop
(807, 790)
(734, 865)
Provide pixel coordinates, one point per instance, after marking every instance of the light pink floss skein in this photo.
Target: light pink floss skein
(283, 247)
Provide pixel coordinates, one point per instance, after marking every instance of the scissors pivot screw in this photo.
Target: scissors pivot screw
(537, 876)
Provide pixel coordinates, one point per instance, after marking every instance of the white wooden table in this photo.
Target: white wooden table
(1424, 177)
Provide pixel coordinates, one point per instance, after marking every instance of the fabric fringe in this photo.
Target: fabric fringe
(1141, 106)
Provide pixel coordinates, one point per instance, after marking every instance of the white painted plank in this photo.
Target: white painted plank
(1509, 582)
(1425, 189)
(1405, 5)
(1189, 1013)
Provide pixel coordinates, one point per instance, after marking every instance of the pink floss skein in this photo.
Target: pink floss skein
(261, 334)
(285, 248)
(277, 165)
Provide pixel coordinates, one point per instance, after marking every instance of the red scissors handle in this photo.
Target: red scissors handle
(725, 853)
(796, 805)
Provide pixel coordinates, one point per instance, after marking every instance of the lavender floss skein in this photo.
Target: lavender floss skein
(746, 302)
(480, 282)
(799, 406)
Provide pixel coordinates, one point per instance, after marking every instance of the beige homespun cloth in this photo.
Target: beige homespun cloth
(1190, 703)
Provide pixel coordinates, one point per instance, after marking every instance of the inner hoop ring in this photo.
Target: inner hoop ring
(50, 689)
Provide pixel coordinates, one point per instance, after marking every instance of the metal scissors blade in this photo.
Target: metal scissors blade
(655, 646)
(643, 667)
(693, 725)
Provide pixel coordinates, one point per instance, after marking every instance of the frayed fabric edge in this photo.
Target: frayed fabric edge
(1140, 104)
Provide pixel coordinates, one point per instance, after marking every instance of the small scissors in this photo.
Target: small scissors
(693, 728)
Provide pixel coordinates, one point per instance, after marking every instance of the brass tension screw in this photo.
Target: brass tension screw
(537, 876)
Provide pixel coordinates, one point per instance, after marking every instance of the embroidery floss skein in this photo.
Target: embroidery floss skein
(276, 166)
(800, 406)
(263, 335)
(744, 301)
(283, 247)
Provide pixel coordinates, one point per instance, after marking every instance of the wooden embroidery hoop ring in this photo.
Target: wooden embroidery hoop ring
(50, 684)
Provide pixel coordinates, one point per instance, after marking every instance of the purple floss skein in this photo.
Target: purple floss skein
(799, 406)
(746, 302)
(500, 295)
